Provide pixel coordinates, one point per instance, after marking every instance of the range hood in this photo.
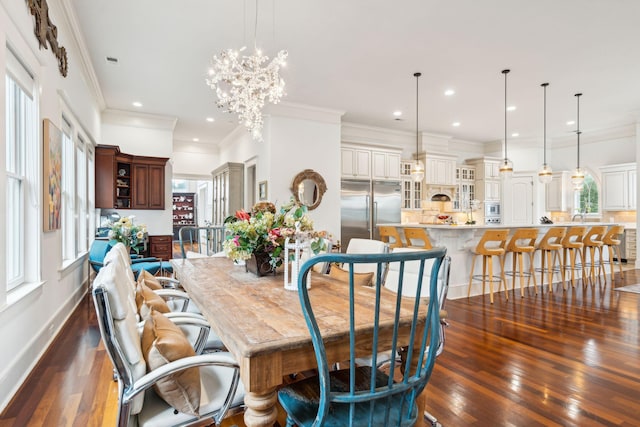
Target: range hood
(439, 193)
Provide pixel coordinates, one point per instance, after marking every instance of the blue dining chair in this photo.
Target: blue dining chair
(365, 395)
(153, 265)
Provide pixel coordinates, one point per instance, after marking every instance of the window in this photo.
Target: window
(76, 182)
(68, 194)
(22, 176)
(587, 198)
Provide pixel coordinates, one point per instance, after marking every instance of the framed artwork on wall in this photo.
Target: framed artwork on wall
(52, 175)
(262, 190)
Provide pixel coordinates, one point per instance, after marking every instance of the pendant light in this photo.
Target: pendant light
(577, 177)
(417, 170)
(506, 169)
(544, 175)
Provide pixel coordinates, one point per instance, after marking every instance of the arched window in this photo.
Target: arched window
(587, 199)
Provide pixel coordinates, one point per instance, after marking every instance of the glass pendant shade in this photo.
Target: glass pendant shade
(506, 168)
(545, 175)
(577, 178)
(417, 171)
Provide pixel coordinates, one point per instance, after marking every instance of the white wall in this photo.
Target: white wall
(28, 324)
(194, 159)
(295, 138)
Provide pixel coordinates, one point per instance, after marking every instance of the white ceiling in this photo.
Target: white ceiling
(359, 56)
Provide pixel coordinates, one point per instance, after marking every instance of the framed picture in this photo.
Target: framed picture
(52, 175)
(262, 190)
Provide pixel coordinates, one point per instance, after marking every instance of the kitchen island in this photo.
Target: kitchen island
(460, 240)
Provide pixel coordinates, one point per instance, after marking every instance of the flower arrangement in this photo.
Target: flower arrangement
(126, 232)
(265, 230)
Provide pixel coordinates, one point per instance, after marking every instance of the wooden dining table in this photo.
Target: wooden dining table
(263, 327)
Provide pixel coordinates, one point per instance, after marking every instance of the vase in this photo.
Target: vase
(259, 264)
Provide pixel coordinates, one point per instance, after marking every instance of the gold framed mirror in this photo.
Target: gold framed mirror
(308, 188)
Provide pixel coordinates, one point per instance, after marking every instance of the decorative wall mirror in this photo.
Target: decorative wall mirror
(308, 188)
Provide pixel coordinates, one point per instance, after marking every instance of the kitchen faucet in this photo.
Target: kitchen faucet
(580, 214)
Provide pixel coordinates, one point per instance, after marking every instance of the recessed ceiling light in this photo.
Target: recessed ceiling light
(511, 108)
(137, 104)
(449, 92)
(571, 122)
(455, 124)
(210, 119)
(515, 134)
(196, 139)
(397, 113)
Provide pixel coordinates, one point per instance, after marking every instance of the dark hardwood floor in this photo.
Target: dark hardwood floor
(567, 358)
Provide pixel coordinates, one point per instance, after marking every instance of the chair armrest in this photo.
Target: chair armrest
(144, 259)
(168, 282)
(96, 263)
(176, 295)
(221, 359)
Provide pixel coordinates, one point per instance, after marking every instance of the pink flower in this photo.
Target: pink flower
(243, 215)
(236, 240)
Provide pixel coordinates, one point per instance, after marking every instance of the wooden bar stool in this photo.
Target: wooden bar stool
(522, 242)
(572, 245)
(417, 238)
(491, 244)
(550, 247)
(612, 241)
(592, 245)
(389, 234)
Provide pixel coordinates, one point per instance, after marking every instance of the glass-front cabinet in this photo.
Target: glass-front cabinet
(411, 190)
(465, 189)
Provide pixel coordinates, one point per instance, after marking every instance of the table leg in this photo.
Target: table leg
(261, 409)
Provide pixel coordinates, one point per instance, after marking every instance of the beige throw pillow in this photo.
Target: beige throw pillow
(149, 279)
(146, 300)
(359, 279)
(164, 342)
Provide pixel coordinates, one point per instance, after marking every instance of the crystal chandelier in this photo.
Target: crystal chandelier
(244, 83)
(545, 174)
(506, 168)
(417, 170)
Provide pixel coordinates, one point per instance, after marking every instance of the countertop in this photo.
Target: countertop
(498, 226)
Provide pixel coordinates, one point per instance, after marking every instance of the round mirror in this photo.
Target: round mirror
(308, 188)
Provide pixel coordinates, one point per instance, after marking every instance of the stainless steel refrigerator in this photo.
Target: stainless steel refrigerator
(364, 205)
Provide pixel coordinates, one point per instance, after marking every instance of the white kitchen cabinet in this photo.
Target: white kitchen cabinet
(619, 187)
(386, 165)
(440, 169)
(559, 193)
(411, 190)
(630, 244)
(465, 188)
(487, 174)
(228, 191)
(355, 163)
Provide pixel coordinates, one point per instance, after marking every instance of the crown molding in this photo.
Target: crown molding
(136, 119)
(305, 112)
(595, 135)
(84, 57)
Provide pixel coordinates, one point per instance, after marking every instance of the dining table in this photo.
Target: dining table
(262, 325)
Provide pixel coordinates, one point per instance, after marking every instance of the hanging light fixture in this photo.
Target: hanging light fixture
(577, 177)
(244, 83)
(545, 174)
(506, 169)
(417, 170)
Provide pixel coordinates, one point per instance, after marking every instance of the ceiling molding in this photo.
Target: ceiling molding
(305, 112)
(183, 146)
(84, 57)
(596, 135)
(141, 120)
(365, 134)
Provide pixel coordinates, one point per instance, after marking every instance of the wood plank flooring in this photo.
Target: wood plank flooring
(567, 358)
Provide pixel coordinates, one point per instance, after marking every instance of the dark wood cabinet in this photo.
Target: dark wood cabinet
(124, 181)
(161, 246)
